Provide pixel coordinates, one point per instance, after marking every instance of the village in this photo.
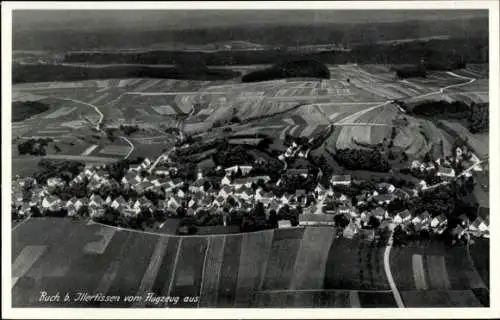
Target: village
(154, 188)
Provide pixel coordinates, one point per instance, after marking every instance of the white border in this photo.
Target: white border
(8, 312)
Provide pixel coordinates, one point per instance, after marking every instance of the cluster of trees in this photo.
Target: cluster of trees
(410, 71)
(22, 110)
(36, 147)
(230, 155)
(64, 169)
(476, 116)
(129, 129)
(308, 68)
(479, 120)
(358, 159)
(45, 72)
(441, 108)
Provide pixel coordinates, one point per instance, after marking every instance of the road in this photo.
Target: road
(132, 147)
(95, 108)
(388, 273)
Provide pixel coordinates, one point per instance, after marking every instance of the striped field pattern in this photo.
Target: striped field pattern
(298, 267)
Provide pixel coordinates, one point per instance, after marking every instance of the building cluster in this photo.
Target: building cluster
(444, 167)
(238, 190)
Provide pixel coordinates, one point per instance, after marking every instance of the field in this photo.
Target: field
(355, 94)
(296, 267)
(446, 273)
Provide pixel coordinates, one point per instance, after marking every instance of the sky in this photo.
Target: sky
(26, 20)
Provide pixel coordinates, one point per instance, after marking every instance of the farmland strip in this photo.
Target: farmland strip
(312, 255)
(149, 277)
(229, 271)
(25, 260)
(254, 254)
(438, 275)
(211, 273)
(418, 272)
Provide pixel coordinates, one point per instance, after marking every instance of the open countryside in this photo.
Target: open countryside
(242, 175)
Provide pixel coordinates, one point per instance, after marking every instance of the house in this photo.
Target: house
(439, 221)
(422, 184)
(284, 224)
(249, 181)
(350, 231)
(415, 164)
(71, 210)
(385, 187)
(55, 182)
(264, 197)
(96, 211)
(243, 169)
(225, 181)
(245, 193)
(379, 213)
(464, 220)
(479, 226)
(458, 232)
(402, 217)
(95, 200)
(225, 191)
(401, 194)
(304, 173)
(108, 200)
(219, 201)
(198, 185)
(79, 203)
(319, 191)
(119, 203)
(285, 198)
(25, 209)
(423, 219)
(70, 202)
(51, 203)
(385, 198)
(340, 180)
(446, 172)
(180, 193)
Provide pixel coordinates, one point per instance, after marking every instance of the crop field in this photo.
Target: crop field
(430, 267)
(355, 265)
(364, 135)
(297, 267)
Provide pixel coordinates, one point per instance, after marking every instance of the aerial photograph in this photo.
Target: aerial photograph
(250, 158)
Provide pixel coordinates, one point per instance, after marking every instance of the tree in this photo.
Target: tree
(341, 221)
